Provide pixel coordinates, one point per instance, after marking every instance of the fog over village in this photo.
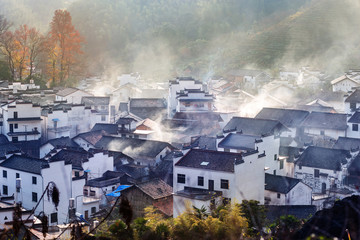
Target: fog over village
(179, 119)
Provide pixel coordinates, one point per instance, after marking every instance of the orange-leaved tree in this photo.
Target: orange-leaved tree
(64, 45)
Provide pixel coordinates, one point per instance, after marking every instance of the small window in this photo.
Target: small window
(274, 172)
(92, 193)
(15, 139)
(5, 190)
(34, 180)
(34, 197)
(200, 181)
(77, 174)
(85, 192)
(86, 214)
(322, 132)
(355, 127)
(15, 115)
(53, 218)
(224, 184)
(275, 156)
(300, 167)
(16, 126)
(316, 173)
(352, 106)
(281, 164)
(103, 118)
(17, 175)
(278, 195)
(4, 174)
(93, 210)
(181, 178)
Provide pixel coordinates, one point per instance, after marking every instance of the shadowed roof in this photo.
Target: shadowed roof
(279, 184)
(25, 164)
(288, 117)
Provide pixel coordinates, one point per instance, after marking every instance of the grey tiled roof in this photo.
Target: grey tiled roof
(239, 141)
(134, 148)
(107, 127)
(279, 184)
(323, 158)
(354, 97)
(325, 120)
(288, 117)
(210, 160)
(347, 143)
(355, 118)
(290, 152)
(25, 164)
(95, 101)
(254, 126)
(62, 142)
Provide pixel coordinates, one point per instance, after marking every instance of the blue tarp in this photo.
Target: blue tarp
(117, 191)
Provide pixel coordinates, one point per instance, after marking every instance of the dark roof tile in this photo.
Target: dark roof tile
(325, 120)
(279, 184)
(288, 117)
(25, 164)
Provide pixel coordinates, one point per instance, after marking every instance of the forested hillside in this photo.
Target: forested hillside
(169, 37)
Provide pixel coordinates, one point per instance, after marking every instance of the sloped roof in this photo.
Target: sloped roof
(133, 147)
(342, 78)
(210, 160)
(62, 142)
(147, 103)
(25, 164)
(95, 101)
(198, 116)
(326, 120)
(155, 188)
(67, 91)
(92, 137)
(280, 184)
(347, 143)
(3, 139)
(239, 141)
(107, 127)
(254, 126)
(355, 118)
(8, 148)
(71, 156)
(288, 117)
(148, 123)
(354, 97)
(324, 158)
(134, 171)
(204, 142)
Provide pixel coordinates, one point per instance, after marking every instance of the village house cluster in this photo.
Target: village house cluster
(244, 136)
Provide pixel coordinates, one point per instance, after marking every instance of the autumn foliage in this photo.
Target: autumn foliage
(54, 56)
(64, 47)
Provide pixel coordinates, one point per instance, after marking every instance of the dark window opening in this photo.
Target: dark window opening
(93, 210)
(278, 195)
(34, 180)
(200, 181)
(53, 218)
(355, 127)
(275, 156)
(4, 174)
(352, 106)
(15, 115)
(34, 197)
(316, 173)
(5, 190)
(224, 184)
(16, 126)
(281, 164)
(17, 175)
(181, 178)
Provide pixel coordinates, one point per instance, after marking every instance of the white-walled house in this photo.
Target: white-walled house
(67, 120)
(21, 121)
(194, 100)
(352, 102)
(71, 95)
(266, 130)
(280, 190)
(344, 84)
(322, 168)
(175, 86)
(100, 106)
(202, 174)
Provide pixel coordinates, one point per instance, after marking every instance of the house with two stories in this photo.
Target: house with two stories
(100, 107)
(207, 178)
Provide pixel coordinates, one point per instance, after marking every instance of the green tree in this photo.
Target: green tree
(255, 215)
